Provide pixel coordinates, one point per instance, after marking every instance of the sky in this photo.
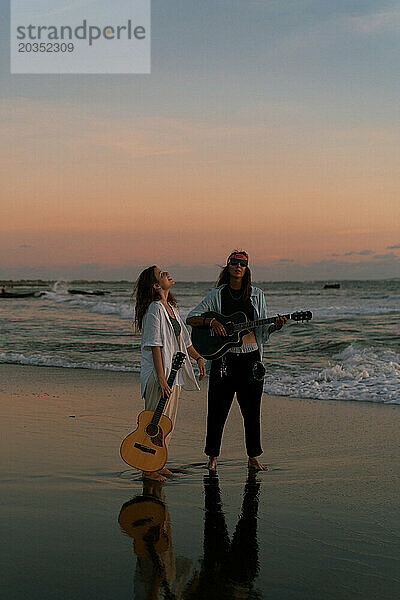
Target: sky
(271, 126)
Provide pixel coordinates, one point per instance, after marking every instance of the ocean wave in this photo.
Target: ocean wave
(364, 374)
(378, 297)
(333, 312)
(123, 310)
(43, 360)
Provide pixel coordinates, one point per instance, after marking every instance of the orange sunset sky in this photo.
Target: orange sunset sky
(259, 127)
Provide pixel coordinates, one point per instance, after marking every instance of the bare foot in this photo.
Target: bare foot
(165, 471)
(212, 464)
(255, 465)
(153, 476)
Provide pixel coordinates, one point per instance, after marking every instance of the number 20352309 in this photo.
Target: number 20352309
(45, 47)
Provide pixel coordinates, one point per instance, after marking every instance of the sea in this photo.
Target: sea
(349, 351)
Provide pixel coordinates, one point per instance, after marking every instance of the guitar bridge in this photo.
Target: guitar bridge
(144, 448)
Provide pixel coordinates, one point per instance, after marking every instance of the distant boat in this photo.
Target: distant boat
(332, 286)
(4, 294)
(88, 292)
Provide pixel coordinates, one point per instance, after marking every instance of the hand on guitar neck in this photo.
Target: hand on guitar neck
(280, 320)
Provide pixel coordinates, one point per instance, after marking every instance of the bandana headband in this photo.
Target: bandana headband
(239, 256)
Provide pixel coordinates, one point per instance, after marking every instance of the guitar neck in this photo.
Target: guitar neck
(258, 323)
(162, 401)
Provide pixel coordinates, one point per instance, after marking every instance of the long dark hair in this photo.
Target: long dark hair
(224, 277)
(146, 293)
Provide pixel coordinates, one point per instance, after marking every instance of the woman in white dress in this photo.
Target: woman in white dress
(163, 334)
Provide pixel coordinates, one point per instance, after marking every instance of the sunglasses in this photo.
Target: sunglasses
(237, 261)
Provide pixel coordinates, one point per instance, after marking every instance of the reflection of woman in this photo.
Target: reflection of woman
(228, 567)
(234, 371)
(163, 334)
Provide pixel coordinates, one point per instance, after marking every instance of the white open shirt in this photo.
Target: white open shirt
(157, 330)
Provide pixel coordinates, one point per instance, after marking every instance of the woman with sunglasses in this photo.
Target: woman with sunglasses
(234, 372)
(163, 334)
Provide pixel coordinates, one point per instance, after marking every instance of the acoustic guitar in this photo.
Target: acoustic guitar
(213, 346)
(145, 447)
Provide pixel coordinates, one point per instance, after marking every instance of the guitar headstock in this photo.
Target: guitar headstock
(178, 360)
(301, 315)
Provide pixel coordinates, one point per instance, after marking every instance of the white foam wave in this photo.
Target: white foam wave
(123, 310)
(43, 360)
(364, 374)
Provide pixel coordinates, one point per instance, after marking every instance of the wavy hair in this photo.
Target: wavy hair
(146, 293)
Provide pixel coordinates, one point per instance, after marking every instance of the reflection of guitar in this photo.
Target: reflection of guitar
(146, 520)
(145, 448)
(143, 520)
(213, 346)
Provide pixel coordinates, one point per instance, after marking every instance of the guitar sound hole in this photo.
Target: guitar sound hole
(152, 430)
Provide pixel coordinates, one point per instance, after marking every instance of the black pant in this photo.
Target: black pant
(222, 388)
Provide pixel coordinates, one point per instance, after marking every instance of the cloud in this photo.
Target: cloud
(394, 247)
(389, 255)
(376, 22)
(354, 253)
(361, 253)
(87, 135)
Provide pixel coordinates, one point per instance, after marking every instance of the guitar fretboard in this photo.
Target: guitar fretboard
(258, 323)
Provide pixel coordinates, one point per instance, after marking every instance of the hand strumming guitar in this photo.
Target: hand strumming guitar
(217, 327)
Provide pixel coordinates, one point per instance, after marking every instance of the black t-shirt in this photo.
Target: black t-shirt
(232, 301)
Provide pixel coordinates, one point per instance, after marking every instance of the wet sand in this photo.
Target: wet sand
(321, 524)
